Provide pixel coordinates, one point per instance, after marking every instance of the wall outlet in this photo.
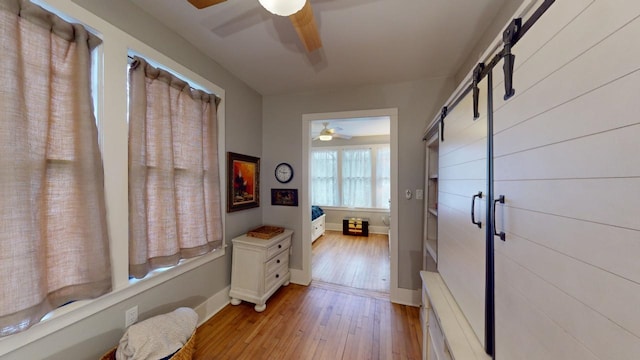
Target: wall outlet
(131, 316)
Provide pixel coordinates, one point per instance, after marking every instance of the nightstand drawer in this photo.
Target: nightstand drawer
(275, 278)
(280, 259)
(278, 247)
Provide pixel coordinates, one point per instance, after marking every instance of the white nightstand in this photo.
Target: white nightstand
(259, 268)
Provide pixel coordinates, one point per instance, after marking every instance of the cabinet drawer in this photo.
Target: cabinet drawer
(278, 247)
(274, 278)
(276, 262)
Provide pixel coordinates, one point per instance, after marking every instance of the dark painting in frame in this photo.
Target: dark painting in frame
(243, 182)
(284, 197)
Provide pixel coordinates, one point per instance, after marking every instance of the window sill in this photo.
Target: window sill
(77, 311)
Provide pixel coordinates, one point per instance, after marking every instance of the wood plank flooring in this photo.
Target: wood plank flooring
(319, 321)
(344, 314)
(355, 261)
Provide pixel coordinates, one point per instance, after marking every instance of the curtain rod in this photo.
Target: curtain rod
(510, 37)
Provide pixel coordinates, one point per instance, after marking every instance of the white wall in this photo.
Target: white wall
(93, 335)
(416, 101)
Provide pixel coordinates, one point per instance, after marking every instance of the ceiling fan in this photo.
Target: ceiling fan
(299, 12)
(327, 134)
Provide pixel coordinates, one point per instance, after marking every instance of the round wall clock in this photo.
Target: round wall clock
(284, 173)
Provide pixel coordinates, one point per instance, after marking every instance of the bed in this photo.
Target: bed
(317, 222)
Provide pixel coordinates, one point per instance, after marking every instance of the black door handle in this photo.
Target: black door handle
(473, 209)
(502, 235)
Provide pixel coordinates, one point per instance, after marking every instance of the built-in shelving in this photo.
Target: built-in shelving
(431, 246)
(430, 237)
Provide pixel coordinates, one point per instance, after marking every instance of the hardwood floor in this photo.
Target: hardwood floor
(344, 314)
(354, 261)
(319, 321)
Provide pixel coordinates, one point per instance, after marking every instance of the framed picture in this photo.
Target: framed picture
(243, 182)
(284, 197)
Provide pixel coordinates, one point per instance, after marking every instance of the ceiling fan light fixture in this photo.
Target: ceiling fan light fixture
(282, 7)
(325, 137)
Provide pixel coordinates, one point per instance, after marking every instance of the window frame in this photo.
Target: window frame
(111, 58)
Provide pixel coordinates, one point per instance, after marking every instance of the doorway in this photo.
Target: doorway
(308, 119)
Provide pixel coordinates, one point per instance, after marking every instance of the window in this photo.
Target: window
(54, 247)
(324, 177)
(354, 177)
(174, 186)
(383, 177)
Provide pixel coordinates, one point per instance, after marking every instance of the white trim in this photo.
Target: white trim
(88, 308)
(407, 297)
(213, 305)
(300, 277)
(392, 113)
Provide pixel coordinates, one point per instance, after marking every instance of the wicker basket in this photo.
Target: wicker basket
(266, 232)
(185, 353)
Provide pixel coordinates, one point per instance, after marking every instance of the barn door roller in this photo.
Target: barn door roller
(510, 37)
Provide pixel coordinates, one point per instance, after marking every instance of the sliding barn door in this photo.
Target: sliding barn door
(567, 160)
(461, 244)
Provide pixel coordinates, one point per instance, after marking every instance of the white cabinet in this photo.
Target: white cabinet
(317, 227)
(446, 332)
(259, 268)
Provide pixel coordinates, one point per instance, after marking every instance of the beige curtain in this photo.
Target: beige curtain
(174, 187)
(53, 234)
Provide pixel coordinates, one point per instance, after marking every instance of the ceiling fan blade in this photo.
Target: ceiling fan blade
(305, 24)
(341, 136)
(201, 4)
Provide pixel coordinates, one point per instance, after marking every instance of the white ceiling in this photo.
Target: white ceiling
(364, 41)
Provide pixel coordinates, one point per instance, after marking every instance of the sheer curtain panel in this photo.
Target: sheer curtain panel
(383, 177)
(174, 184)
(356, 178)
(324, 178)
(54, 246)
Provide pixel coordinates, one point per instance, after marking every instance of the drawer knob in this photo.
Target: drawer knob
(278, 261)
(280, 246)
(277, 276)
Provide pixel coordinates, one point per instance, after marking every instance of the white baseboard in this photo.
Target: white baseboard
(299, 277)
(212, 305)
(406, 297)
(372, 229)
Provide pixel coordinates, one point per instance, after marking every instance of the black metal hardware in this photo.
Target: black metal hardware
(278, 261)
(517, 35)
(489, 288)
(501, 234)
(443, 115)
(477, 76)
(280, 246)
(473, 209)
(277, 276)
(509, 37)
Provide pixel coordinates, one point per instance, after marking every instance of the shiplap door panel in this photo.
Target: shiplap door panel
(559, 124)
(465, 139)
(566, 158)
(604, 61)
(461, 245)
(610, 248)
